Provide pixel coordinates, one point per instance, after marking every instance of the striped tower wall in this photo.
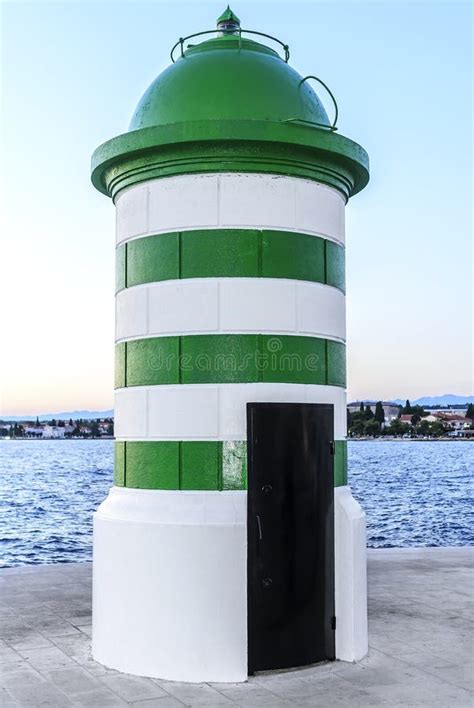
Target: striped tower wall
(230, 289)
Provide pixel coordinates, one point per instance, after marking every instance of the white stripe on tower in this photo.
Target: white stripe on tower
(234, 200)
(210, 411)
(230, 305)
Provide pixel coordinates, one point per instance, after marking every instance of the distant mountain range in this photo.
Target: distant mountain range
(448, 399)
(65, 415)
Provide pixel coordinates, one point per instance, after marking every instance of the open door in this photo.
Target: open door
(290, 535)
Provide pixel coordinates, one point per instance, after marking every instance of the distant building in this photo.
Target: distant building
(431, 418)
(33, 431)
(406, 418)
(390, 409)
(448, 410)
(453, 421)
(53, 432)
(46, 432)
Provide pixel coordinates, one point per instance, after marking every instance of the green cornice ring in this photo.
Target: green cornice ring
(286, 148)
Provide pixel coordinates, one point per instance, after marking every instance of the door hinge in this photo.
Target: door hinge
(333, 622)
(332, 447)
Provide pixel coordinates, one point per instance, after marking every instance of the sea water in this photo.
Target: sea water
(414, 494)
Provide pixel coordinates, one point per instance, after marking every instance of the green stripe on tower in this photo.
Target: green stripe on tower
(152, 259)
(336, 363)
(119, 464)
(200, 465)
(152, 361)
(120, 353)
(340, 463)
(335, 259)
(230, 358)
(219, 253)
(226, 253)
(186, 465)
(120, 268)
(152, 465)
(194, 465)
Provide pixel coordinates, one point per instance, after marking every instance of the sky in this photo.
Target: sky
(71, 75)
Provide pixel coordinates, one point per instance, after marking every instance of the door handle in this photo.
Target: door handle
(259, 524)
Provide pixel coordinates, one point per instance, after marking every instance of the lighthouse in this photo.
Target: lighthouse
(230, 542)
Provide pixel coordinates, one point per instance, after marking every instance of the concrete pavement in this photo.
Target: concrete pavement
(420, 633)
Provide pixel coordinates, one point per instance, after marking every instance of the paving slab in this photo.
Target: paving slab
(420, 633)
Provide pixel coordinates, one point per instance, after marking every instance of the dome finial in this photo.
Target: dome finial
(228, 22)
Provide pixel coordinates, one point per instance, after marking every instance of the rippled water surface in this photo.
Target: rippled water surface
(48, 491)
(414, 493)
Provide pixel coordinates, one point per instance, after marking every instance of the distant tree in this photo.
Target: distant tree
(419, 410)
(368, 413)
(110, 429)
(408, 409)
(95, 430)
(17, 431)
(424, 428)
(61, 424)
(437, 429)
(70, 422)
(361, 407)
(357, 427)
(379, 414)
(37, 422)
(372, 427)
(415, 418)
(54, 422)
(470, 411)
(396, 427)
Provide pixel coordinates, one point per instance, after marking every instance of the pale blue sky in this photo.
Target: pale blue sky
(72, 74)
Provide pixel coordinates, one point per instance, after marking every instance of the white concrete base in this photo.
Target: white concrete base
(351, 577)
(170, 584)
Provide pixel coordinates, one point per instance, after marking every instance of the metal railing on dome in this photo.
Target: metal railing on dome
(239, 32)
(181, 41)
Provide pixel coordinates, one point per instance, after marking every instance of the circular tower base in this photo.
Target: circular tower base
(156, 550)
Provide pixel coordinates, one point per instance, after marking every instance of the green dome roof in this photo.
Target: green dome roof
(227, 78)
(230, 104)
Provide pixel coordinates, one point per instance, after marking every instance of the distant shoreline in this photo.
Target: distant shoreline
(382, 439)
(104, 437)
(379, 439)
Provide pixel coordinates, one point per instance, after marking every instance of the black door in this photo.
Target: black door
(290, 535)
